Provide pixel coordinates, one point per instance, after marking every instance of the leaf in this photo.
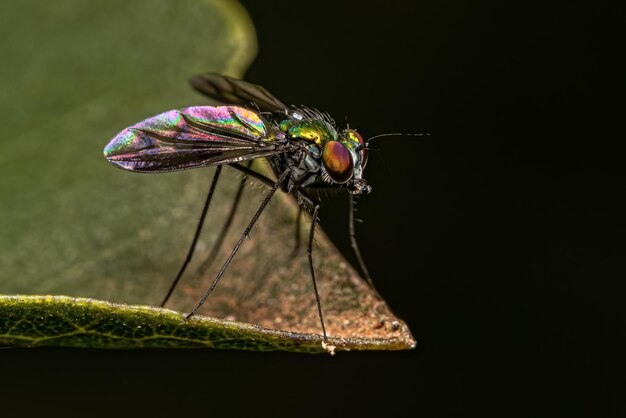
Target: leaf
(79, 73)
(37, 321)
(71, 224)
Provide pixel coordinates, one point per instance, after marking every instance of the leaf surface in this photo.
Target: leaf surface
(71, 224)
(38, 321)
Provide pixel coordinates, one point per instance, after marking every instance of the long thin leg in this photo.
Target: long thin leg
(220, 239)
(254, 174)
(310, 253)
(216, 177)
(355, 246)
(265, 202)
(300, 194)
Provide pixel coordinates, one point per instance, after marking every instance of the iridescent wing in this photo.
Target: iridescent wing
(193, 137)
(232, 91)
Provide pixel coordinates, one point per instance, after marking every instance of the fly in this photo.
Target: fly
(302, 145)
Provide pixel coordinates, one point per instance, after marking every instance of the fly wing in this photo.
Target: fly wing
(230, 90)
(192, 137)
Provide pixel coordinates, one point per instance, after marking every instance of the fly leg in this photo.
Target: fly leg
(254, 174)
(256, 216)
(220, 239)
(205, 209)
(269, 182)
(308, 204)
(310, 254)
(355, 246)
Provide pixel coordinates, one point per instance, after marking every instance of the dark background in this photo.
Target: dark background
(500, 238)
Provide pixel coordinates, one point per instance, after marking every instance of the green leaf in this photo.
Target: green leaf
(79, 72)
(37, 321)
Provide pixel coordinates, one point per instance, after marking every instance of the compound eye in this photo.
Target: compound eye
(337, 161)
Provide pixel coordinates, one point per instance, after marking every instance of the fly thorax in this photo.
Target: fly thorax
(305, 167)
(315, 131)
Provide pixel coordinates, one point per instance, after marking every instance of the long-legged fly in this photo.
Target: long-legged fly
(302, 145)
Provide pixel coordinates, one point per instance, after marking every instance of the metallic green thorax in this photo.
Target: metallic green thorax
(316, 131)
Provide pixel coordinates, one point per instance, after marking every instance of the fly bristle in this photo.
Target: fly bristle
(329, 119)
(325, 176)
(304, 203)
(309, 113)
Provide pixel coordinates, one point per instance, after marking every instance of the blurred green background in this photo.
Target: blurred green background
(73, 74)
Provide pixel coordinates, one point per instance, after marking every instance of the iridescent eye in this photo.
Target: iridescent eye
(354, 136)
(337, 161)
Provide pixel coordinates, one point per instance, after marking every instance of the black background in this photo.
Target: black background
(500, 238)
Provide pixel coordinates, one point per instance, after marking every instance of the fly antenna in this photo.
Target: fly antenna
(366, 144)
